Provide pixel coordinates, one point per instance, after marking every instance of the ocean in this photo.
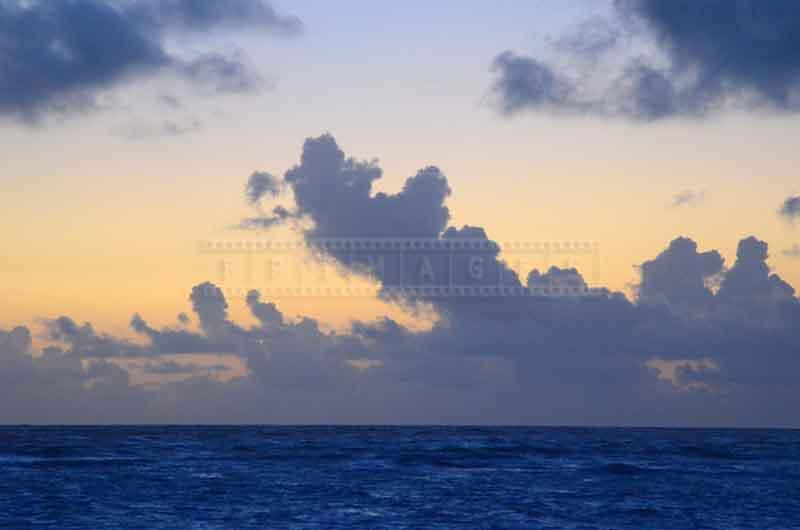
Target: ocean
(397, 477)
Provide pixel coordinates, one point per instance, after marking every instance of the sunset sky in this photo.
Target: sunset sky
(130, 129)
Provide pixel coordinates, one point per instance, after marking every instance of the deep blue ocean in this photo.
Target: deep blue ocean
(397, 477)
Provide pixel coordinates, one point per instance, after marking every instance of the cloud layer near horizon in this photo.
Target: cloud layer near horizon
(728, 336)
(653, 59)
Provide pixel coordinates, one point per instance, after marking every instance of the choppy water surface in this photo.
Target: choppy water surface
(397, 477)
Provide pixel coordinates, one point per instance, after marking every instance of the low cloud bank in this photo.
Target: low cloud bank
(702, 343)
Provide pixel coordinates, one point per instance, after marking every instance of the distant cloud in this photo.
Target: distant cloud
(684, 58)
(793, 251)
(82, 340)
(57, 56)
(222, 74)
(278, 216)
(689, 197)
(790, 209)
(590, 38)
(142, 131)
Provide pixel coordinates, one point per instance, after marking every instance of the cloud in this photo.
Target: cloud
(83, 341)
(790, 209)
(687, 295)
(700, 344)
(689, 197)
(749, 282)
(221, 74)
(793, 251)
(680, 275)
(175, 341)
(335, 192)
(525, 82)
(267, 314)
(653, 60)
(262, 222)
(165, 128)
(690, 309)
(170, 367)
(261, 184)
(209, 303)
(590, 38)
(57, 56)
(55, 386)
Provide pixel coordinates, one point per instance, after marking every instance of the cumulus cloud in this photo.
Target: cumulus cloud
(750, 283)
(335, 192)
(681, 275)
(266, 313)
(700, 342)
(790, 209)
(56, 56)
(83, 341)
(175, 341)
(682, 58)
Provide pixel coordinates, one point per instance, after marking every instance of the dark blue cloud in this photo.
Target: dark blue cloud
(718, 54)
(730, 48)
(525, 82)
(55, 56)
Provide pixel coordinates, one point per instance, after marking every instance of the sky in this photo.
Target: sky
(639, 154)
